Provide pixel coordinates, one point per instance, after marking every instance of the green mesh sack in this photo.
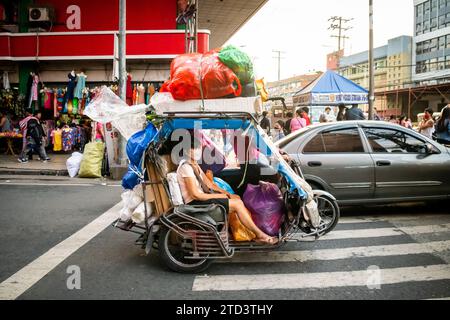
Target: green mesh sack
(239, 62)
(91, 165)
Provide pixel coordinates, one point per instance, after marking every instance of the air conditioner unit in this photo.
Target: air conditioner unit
(39, 14)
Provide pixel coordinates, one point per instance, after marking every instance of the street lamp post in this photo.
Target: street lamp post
(371, 64)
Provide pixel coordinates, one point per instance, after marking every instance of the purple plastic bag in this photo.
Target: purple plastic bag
(266, 204)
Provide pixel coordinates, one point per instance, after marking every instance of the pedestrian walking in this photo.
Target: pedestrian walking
(354, 113)
(403, 121)
(341, 113)
(327, 116)
(305, 114)
(265, 122)
(393, 119)
(278, 131)
(298, 122)
(443, 127)
(287, 125)
(426, 127)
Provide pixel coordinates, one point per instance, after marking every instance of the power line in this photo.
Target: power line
(339, 23)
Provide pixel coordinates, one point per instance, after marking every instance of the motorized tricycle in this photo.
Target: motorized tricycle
(190, 238)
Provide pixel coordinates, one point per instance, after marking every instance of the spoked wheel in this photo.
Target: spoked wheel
(174, 250)
(329, 212)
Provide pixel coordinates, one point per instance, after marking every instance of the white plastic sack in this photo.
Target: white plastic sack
(73, 164)
(131, 200)
(108, 107)
(139, 214)
(164, 102)
(175, 191)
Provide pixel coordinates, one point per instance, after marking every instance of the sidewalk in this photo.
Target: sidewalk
(9, 165)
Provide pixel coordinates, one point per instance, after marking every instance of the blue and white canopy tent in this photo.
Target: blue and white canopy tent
(331, 89)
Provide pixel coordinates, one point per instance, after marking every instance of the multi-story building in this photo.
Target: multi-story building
(286, 89)
(392, 70)
(431, 42)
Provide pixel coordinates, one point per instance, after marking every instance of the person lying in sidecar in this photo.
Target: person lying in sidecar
(197, 189)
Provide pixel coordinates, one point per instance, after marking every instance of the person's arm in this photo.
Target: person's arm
(199, 196)
(426, 125)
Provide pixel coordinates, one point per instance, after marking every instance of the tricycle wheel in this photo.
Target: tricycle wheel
(329, 212)
(173, 250)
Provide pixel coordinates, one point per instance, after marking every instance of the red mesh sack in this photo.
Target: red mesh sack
(217, 80)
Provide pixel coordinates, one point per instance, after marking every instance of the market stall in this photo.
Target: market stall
(330, 90)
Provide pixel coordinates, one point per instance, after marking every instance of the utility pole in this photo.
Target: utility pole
(339, 23)
(371, 64)
(122, 71)
(279, 57)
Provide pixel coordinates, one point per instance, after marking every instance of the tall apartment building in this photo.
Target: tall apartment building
(392, 69)
(431, 42)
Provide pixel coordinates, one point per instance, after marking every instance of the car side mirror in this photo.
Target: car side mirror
(429, 149)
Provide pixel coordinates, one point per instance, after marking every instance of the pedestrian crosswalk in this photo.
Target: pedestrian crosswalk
(405, 268)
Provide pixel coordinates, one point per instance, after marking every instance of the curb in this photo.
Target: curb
(31, 172)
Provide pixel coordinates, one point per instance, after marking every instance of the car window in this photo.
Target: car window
(393, 141)
(338, 141)
(291, 143)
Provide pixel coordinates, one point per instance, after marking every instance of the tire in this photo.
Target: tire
(328, 210)
(175, 262)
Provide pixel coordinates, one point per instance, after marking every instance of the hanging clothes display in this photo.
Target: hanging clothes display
(57, 140)
(141, 94)
(48, 99)
(67, 139)
(135, 94)
(81, 84)
(6, 84)
(75, 104)
(60, 96)
(28, 94)
(71, 86)
(34, 88)
(129, 90)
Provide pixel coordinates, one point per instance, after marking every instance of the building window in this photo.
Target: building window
(426, 7)
(447, 62)
(434, 24)
(426, 26)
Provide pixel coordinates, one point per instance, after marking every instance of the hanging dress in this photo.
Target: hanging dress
(57, 140)
(81, 84)
(141, 96)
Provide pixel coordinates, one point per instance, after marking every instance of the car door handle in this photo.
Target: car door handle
(315, 164)
(383, 163)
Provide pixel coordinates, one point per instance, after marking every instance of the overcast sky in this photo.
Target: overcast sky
(300, 28)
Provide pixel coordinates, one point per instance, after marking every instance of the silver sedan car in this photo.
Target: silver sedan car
(370, 162)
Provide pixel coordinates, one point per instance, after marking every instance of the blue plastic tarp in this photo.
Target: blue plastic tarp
(331, 89)
(136, 147)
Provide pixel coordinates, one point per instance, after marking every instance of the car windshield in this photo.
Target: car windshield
(285, 141)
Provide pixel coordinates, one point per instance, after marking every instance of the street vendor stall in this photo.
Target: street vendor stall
(330, 89)
(10, 137)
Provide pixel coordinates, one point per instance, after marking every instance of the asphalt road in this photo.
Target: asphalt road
(409, 247)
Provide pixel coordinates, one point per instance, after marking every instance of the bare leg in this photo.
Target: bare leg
(246, 219)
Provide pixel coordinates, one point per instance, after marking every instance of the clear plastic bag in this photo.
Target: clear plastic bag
(108, 107)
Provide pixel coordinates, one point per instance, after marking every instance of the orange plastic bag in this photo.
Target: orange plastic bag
(186, 71)
(239, 231)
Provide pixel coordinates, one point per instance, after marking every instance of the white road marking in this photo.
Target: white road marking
(28, 276)
(319, 280)
(342, 253)
(55, 184)
(382, 232)
(388, 218)
(439, 299)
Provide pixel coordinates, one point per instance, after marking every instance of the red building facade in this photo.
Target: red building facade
(83, 35)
